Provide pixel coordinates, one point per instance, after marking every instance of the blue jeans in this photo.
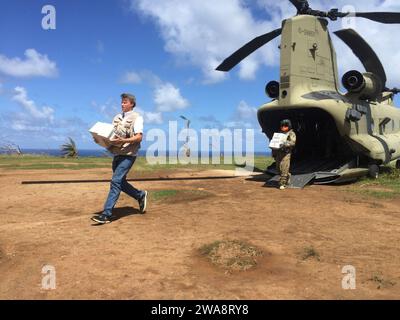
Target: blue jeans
(120, 166)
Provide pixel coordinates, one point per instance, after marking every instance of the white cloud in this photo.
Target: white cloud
(131, 77)
(244, 116)
(210, 121)
(24, 125)
(153, 117)
(33, 120)
(168, 98)
(150, 78)
(34, 65)
(150, 117)
(379, 36)
(248, 69)
(31, 125)
(108, 109)
(145, 76)
(244, 111)
(20, 126)
(21, 97)
(204, 33)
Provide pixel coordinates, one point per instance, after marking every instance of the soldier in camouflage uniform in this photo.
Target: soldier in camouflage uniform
(283, 155)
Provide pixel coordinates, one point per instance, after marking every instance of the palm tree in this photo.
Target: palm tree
(69, 150)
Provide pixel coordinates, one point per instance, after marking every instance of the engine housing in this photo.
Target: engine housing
(367, 85)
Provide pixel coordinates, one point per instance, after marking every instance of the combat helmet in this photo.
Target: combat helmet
(286, 122)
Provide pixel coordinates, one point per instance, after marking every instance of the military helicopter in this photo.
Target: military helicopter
(340, 136)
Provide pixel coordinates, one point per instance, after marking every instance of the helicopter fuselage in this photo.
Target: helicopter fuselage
(330, 125)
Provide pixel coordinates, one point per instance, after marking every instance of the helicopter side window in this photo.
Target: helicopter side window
(383, 125)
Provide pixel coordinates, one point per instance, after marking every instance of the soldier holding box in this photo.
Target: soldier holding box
(283, 155)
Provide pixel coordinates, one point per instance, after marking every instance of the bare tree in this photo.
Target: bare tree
(9, 147)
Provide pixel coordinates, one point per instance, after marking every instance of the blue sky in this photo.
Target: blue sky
(57, 83)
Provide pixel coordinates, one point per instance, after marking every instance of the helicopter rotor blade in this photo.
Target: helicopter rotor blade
(304, 8)
(364, 52)
(300, 5)
(247, 49)
(382, 17)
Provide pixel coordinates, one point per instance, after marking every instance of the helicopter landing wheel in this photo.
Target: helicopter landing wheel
(398, 164)
(373, 171)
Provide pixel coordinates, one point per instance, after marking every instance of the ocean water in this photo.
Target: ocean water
(97, 152)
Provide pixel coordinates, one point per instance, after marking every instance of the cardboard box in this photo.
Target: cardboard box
(277, 140)
(103, 134)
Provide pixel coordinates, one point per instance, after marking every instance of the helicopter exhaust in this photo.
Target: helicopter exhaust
(366, 85)
(272, 89)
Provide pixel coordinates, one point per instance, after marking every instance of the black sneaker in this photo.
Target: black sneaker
(102, 219)
(143, 203)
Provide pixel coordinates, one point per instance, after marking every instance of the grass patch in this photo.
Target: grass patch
(378, 194)
(231, 255)
(381, 282)
(43, 162)
(39, 162)
(187, 195)
(50, 166)
(387, 186)
(162, 194)
(310, 253)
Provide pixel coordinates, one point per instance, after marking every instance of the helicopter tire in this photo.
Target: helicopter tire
(373, 171)
(398, 164)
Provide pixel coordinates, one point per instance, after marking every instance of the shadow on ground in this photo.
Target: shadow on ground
(120, 213)
(259, 177)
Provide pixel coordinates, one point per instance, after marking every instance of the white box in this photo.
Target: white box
(103, 133)
(277, 140)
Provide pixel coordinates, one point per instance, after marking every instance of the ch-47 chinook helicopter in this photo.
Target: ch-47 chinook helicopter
(340, 137)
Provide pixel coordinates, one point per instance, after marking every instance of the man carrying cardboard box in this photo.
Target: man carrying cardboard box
(128, 128)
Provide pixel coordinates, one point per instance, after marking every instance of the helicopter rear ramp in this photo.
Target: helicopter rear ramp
(296, 181)
(320, 171)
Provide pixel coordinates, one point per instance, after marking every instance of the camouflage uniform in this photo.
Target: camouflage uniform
(283, 157)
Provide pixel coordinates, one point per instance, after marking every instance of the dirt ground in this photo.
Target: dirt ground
(156, 255)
